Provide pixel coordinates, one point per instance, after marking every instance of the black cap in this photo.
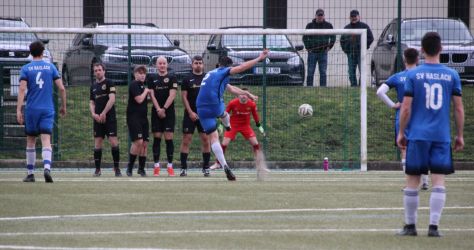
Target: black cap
(320, 12)
(354, 13)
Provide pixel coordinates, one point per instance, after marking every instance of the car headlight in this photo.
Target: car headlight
(182, 59)
(236, 60)
(110, 58)
(294, 61)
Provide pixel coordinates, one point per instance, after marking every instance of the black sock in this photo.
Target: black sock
(169, 150)
(131, 160)
(156, 150)
(184, 160)
(116, 156)
(206, 157)
(141, 162)
(97, 157)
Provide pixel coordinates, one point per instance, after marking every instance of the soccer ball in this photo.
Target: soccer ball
(305, 110)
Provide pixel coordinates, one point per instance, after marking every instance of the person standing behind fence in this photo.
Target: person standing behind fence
(318, 47)
(164, 88)
(102, 107)
(350, 44)
(37, 77)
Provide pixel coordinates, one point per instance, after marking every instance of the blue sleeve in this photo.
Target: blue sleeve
(409, 86)
(392, 81)
(457, 91)
(23, 74)
(55, 72)
(227, 71)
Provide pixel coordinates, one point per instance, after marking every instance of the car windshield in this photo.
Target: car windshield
(255, 41)
(15, 37)
(154, 40)
(449, 30)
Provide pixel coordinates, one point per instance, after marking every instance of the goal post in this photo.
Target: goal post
(191, 34)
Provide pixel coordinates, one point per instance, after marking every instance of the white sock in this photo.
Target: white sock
(156, 165)
(410, 202)
(404, 164)
(30, 160)
(226, 119)
(424, 179)
(47, 152)
(170, 165)
(437, 201)
(217, 149)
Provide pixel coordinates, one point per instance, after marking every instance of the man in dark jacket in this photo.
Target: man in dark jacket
(318, 47)
(351, 44)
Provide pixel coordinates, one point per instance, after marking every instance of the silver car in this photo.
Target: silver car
(457, 42)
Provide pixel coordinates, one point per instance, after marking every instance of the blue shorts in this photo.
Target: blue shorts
(424, 156)
(208, 114)
(39, 121)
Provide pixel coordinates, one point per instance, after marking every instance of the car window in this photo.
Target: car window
(449, 30)
(77, 39)
(16, 37)
(255, 41)
(156, 40)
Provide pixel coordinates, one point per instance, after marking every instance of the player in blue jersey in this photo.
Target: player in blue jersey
(37, 77)
(210, 101)
(425, 111)
(397, 81)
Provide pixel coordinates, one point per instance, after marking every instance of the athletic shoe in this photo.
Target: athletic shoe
(129, 171)
(141, 172)
(206, 172)
(227, 128)
(408, 230)
(433, 231)
(97, 172)
(29, 178)
(229, 174)
(47, 176)
(424, 186)
(215, 166)
(170, 171)
(184, 172)
(156, 171)
(118, 173)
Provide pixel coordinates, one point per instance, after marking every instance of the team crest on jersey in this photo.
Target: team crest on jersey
(166, 80)
(104, 87)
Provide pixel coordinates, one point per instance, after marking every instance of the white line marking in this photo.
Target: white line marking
(71, 248)
(47, 217)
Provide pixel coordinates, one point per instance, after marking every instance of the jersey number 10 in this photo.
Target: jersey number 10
(434, 96)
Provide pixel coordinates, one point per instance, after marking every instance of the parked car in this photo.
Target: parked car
(284, 65)
(457, 42)
(112, 51)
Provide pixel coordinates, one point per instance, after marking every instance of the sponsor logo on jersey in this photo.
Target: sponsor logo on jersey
(104, 87)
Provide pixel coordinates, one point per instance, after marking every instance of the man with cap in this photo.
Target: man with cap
(318, 47)
(351, 44)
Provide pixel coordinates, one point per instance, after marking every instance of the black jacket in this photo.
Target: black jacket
(318, 43)
(351, 43)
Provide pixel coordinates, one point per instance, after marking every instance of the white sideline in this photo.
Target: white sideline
(72, 248)
(265, 211)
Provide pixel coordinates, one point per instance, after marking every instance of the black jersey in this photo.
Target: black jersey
(99, 93)
(135, 89)
(192, 84)
(161, 85)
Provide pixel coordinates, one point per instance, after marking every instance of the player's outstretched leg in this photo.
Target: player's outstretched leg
(230, 176)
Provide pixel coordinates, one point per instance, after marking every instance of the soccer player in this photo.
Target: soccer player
(189, 92)
(425, 112)
(137, 120)
(240, 110)
(164, 87)
(102, 107)
(397, 81)
(210, 101)
(37, 77)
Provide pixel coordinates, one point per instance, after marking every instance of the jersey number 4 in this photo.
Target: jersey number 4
(434, 96)
(39, 80)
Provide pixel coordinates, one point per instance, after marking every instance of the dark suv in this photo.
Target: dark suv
(112, 50)
(284, 66)
(457, 42)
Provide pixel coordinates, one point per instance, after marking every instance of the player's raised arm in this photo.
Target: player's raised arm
(238, 91)
(249, 64)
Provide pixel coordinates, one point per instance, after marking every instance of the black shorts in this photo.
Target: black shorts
(109, 129)
(163, 125)
(137, 128)
(189, 126)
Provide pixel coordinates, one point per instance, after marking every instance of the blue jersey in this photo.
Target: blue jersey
(431, 86)
(397, 81)
(213, 86)
(39, 76)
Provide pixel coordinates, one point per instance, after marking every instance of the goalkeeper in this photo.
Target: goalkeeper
(240, 109)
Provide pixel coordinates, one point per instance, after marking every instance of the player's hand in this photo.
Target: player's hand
(102, 117)
(260, 128)
(252, 97)
(62, 111)
(397, 105)
(162, 113)
(264, 54)
(459, 143)
(194, 117)
(401, 141)
(19, 117)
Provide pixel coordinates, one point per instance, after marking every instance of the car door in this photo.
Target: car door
(212, 53)
(71, 61)
(386, 51)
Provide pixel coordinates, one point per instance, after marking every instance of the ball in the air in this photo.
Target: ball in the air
(305, 110)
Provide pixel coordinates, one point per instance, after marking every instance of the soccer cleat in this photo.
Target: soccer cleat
(117, 172)
(184, 172)
(141, 172)
(424, 186)
(215, 166)
(229, 174)
(29, 178)
(129, 171)
(227, 128)
(97, 172)
(156, 171)
(206, 172)
(170, 171)
(433, 231)
(47, 176)
(408, 230)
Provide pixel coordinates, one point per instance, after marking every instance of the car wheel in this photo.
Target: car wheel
(65, 76)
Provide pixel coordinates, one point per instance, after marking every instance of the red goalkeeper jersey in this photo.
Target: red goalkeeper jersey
(240, 113)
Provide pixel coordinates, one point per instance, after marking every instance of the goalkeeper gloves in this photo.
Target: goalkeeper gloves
(260, 128)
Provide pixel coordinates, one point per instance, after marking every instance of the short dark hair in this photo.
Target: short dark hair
(139, 68)
(225, 61)
(197, 58)
(36, 48)
(411, 55)
(244, 88)
(99, 64)
(431, 43)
